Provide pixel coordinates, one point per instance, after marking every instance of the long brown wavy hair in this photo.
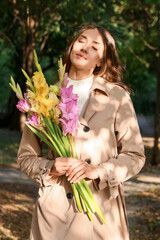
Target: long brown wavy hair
(110, 68)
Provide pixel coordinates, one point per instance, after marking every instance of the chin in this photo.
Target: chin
(79, 66)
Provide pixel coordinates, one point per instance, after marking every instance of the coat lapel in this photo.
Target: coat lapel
(92, 104)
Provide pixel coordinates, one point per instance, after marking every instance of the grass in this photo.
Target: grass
(9, 143)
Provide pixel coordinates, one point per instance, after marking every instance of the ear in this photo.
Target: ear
(99, 63)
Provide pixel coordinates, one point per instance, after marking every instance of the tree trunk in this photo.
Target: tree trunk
(28, 42)
(154, 160)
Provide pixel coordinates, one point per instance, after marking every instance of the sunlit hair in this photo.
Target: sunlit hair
(110, 68)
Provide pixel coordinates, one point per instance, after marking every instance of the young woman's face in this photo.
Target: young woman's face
(87, 50)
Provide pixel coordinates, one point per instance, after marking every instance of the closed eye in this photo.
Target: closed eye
(94, 48)
(80, 41)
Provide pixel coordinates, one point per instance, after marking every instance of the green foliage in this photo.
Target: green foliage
(6, 59)
(9, 143)
(134, 25)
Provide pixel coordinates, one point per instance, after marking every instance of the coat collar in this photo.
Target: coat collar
(92, 104)
(99, 83)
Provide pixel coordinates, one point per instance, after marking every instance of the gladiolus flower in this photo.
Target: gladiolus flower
(65, 80)
(69, 109)
(69, 126)
(67, 95)
(23, 104)
(40, 84)
(33, 120)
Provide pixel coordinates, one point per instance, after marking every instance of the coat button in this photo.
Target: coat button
(69, 195)
(88, 160)
(86, 129)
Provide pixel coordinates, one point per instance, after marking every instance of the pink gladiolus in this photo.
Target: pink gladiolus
(65, 81)
(69, 126)
(23, 104)
(33, 120)
(69, 109)
(67, 95)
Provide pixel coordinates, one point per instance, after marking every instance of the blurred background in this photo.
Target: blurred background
(48, 26)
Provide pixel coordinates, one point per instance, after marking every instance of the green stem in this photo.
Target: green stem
(41, 136)
(76, 194)
(52, 127)
(83, 182)
(94, 203)
(83, 204)
(53, 137)
(58, 150)
(86, 197)
(89, 213)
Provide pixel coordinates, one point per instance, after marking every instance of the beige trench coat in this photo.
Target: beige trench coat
(109, 137)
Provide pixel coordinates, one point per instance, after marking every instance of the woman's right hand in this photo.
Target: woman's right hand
(61, 165)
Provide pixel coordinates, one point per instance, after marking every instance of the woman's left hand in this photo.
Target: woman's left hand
(80, 170)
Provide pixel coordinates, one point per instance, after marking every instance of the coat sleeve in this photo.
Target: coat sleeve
(31, 161)
(130, 158)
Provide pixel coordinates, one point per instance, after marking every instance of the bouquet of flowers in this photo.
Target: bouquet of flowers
(53, 117)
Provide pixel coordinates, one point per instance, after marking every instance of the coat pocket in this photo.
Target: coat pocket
(43, 194)
(54, 202)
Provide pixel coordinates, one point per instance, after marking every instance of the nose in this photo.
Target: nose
(84, 48)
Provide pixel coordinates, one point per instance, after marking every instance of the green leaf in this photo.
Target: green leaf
(29, 82)
(13, 82)
(13, 88)
(41, 136)
(19, 90)
(36, 61)
(54, 138)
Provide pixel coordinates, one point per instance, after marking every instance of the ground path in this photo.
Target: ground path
(141, 225)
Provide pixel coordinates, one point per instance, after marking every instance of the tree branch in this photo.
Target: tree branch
(9, 40)
(149, 46)
(44, 42)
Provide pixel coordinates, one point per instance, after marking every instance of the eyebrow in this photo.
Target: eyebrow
(86, 38)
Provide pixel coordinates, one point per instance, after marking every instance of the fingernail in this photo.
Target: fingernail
(67, 174)
(68, 179)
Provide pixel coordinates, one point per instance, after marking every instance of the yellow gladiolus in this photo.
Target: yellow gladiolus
(40, 84)
(54, 97)
(34, 105)
(31, 95)
(57, 113)
(45, 105)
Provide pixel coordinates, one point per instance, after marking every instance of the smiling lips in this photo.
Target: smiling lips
(81, 56)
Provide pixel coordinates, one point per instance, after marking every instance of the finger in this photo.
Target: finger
(75, 170)
(56, 169)
(73, 166)
(78, 179)
(76, 175)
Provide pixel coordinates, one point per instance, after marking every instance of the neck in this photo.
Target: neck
(79, 74)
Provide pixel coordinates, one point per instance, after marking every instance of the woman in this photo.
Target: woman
(109, 146)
